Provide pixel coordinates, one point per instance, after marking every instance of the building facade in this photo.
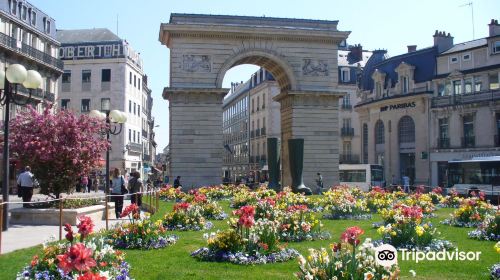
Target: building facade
(465, 108)
(351, 61)
(100, 67)
(28, 37)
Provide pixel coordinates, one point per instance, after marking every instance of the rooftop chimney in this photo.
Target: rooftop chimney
(355, 53)
(442, 41)
(412, 48)
(494, 28)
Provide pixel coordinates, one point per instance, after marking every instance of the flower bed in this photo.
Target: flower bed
(169, 193)
(345, 203)
(471, 213)
(246, 242)
(186, 216)
(89, 258)
(489, 229)
(495, 269)
(139, 233)
(404, 229)
(298, 223)
(345, 260)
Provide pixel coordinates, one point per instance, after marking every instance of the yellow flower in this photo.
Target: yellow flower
(393, 233)
(419, 230)
(497, 247)
(381, 230)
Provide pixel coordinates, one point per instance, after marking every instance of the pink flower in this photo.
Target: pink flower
(85, 227)
(91, 276)
(131, 209)
(69, 232)
(78, 257)
(351, 235)
(181, 206)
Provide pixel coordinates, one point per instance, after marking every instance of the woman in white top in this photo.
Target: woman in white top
(116, 190)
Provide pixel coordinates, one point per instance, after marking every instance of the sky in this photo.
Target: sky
(381, 24)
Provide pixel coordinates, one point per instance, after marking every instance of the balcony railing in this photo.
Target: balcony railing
(347, 132)
(349, 158)
(36, 93)
(346, 106)
(12, 43)
(459, 99)
(468, 142)
(135, 147)
(263, 131)
(443, 143)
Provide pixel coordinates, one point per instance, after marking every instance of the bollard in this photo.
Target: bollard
(107, 210)
(60, 218)
(1, 223)
(157, 201)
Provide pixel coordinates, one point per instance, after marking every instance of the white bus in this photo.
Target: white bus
(364, 176)
(480, 173)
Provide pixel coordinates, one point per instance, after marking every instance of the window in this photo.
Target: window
(365, 143)
(406, 84)
(379, 132)
(85, 105)
(258, 103)
(494, 81)
(66, 77)
(130, 78)
(345, 75)
(138, 109)
(135, 105)
(24, 13)
(468, 85)
(495, 46)
(441, 89)
(453, 59)
(264, 101)
(347, 148)
(443, 141)
(134, 136)
(457, 87)
(86, 75)
(130, 106)
(64, 104)
(253, 107)
(346, 101)
(106, 75)
(468, 123)
(406, 130)
(378, 89)
(139, 84)
(478, 84)
(33, 18)
(13, 7)
(130, 135)
(346, 123)
(135, 81)
(466, 57)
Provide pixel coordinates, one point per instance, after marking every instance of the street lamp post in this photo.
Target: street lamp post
(112, 118)
(9, 81)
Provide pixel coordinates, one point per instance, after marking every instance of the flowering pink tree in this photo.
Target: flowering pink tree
(59, 147)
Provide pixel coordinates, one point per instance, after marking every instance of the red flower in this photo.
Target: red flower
(34, 261)
(263, 246)
(377, 189)
(69, 234)
(131, 209)
(78, 257)
(181, 206)
(336, 246)
(297, 208)
(91, 276)
(246, 214)
(103, 264)
(85, 227)
(437, 190)
(351, 235)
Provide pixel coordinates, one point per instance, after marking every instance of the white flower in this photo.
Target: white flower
(413, 273)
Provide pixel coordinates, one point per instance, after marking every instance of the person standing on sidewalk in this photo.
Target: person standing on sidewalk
(136, 188)
(26, 181)
(116, 190)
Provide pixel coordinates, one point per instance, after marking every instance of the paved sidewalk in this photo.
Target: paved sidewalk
(25, 236)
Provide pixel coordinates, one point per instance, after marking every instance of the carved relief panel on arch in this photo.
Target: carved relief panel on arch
(314, 67)
(197, 63)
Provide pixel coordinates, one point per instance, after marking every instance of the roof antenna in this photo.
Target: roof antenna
(117, 25)
(472, 12)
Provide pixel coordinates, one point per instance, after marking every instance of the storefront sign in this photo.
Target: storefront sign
(398, 106)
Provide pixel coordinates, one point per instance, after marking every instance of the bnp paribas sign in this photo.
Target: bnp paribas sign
(398, 106)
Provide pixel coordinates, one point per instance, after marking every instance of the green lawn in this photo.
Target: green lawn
(174, 262)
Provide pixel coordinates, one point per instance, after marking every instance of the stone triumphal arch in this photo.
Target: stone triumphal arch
(302, 56)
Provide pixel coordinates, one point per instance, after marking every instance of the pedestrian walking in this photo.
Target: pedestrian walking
(136, 188)
(177, 182)
(84, 182)
(90, 184)
(118, 190)
(319, 182)
(406, 183)
(26, 182)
